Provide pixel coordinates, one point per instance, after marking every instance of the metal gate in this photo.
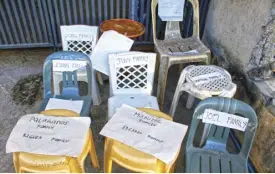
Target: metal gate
(36, 23)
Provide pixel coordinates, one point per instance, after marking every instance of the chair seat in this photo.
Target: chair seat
(137, 101)
(164, 47)
(52, 161)
(210, 161)
(85, 108)
(140, 161)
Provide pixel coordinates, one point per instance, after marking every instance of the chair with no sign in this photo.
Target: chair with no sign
(213, 156)
(36, 163)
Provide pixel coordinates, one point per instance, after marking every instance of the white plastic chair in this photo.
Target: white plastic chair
(195, 80)
(82, 39)
(131, 77)
(192, 81)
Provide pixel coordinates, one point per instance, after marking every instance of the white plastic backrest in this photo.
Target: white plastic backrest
(132, 72)
(80, 38)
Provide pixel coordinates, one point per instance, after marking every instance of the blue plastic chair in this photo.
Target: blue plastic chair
(70, 85)
(213, 156)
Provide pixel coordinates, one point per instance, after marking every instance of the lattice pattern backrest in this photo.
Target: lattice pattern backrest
(79, 38)
(132, 72)
(213, 85)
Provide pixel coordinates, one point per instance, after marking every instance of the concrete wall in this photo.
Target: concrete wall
(233, 29)
(240, 34)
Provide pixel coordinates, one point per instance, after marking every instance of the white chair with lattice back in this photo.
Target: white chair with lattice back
(131, 77)
(80, 38)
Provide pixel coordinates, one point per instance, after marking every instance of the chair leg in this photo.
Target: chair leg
(16, 162)
(162, 78)
(107, 156)
(99, 78)
(175, 102)
(95, 91)
(190, 101)
(93, 152)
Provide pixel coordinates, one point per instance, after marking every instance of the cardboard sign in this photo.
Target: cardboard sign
(171, 10)
(68, 65)
(55, 103)
(153, 135)
(206, 78)
(49, 135)
(110, 42)
(224, 119)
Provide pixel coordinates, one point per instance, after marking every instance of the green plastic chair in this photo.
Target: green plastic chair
(213, 156)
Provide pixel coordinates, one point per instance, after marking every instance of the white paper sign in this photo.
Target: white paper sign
(55, 103)
(171, 10)
(49, 135)
(110, 42)
(156, 136)
(68, 65)
(206, 78)
(224, 119)
(191, 52)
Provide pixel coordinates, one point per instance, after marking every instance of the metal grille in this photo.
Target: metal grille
(36, 23)
(80, 46)
(132, 77)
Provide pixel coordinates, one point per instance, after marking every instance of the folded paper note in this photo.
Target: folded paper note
(110, 42)
(171, 10)
(55, 103)
(153, 135)
(49, 135)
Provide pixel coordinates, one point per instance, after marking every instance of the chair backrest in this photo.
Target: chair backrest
(69, 78)
(80, 38)
(220, 134)
(172, 27)
(132, 72)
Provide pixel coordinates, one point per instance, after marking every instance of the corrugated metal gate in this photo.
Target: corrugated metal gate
(35, 23)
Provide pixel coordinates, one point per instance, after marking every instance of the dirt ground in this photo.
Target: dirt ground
(15, 64)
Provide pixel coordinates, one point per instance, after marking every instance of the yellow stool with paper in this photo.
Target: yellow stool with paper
(28, 162)
(133, 159)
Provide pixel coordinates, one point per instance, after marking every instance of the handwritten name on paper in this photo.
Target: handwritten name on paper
(171, 10)
(224, 119)
(206, 78)
(144, 132)
(68, 65)
(131, 58)
(36, 133)
(79, 36)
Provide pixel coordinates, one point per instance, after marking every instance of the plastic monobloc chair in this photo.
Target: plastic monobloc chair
(133, 159)
(221, 86)
(131, 84)
(29, 162)
(80, 38)
(172, 50)
(70, 89)
(213, 156)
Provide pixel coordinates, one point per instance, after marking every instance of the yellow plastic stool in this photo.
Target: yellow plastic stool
(28, 162)
(133, 159)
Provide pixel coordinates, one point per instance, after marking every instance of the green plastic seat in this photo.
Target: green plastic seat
(213, 156)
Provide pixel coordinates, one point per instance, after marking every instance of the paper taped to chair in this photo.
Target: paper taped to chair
(110, 42)
(171, 10)
(55, 103)
(158, 137)
(206, 78)
(49, 135)
(68, 65)
(224, 119)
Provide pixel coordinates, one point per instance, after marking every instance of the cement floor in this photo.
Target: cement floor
(15, 64)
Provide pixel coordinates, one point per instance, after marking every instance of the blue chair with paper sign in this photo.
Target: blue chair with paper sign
(70, 90)
(213, 156)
